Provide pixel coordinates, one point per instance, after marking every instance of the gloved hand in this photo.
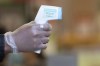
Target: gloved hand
(30, 37)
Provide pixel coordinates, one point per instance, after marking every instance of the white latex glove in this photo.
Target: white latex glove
(30, 37)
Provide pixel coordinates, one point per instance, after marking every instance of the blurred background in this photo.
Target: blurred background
(75, 40)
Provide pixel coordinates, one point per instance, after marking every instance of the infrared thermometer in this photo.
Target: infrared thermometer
(47, 13)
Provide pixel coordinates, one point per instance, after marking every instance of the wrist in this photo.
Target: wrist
(10, 45)
(7, 48)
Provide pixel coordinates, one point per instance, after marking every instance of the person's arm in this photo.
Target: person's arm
(2, 53)
(4, 48)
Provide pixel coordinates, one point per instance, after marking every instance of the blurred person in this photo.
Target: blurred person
(28, 38)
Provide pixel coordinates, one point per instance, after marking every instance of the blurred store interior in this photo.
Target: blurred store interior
(75, 40)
